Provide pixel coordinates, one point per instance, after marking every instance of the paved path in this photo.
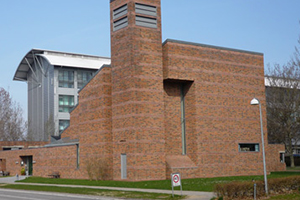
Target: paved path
(11, 179)
(192, 195)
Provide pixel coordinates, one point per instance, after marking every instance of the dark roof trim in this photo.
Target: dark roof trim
(211, 46)
(62, 144)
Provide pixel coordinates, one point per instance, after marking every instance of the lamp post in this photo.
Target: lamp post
(257, 102)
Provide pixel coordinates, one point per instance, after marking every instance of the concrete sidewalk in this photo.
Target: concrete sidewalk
(192, 195)
(11, 179)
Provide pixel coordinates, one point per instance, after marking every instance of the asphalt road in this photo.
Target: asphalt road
(7, 194)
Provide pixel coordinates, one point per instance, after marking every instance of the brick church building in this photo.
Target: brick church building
(159, 108)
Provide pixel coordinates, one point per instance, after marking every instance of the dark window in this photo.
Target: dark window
(248, 147)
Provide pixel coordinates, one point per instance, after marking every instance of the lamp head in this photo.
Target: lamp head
(254, 101)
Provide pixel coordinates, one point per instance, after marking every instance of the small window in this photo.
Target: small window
(249, 147)
(63, 124)
(66, 79)
(66, 102)
(281, 157)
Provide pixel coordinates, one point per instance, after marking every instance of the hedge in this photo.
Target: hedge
(239, 190)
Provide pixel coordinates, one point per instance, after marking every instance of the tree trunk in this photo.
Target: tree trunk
(292, 160)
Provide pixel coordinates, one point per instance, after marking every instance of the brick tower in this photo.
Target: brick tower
(137, 90)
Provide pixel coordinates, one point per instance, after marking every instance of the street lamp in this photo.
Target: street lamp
(255, 101)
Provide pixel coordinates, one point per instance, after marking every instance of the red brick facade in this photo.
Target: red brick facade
(152, 93)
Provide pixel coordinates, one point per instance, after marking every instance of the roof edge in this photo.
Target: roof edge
(211, 46)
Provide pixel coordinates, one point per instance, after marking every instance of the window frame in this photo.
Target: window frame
(254, 148)
(63, 106)
(69, 83)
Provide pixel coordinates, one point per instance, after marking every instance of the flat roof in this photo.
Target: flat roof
(59, 59)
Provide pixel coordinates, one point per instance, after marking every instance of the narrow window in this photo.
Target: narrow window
(182, 106)
(282, 157)
(77, 153)
(245, 147)
(123, 166)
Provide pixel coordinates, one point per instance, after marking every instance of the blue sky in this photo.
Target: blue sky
(82, 26)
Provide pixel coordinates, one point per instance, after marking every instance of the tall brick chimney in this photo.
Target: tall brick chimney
(137, 90)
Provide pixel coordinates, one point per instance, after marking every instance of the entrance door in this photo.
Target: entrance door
(27, 160)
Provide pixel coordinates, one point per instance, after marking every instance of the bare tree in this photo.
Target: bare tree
(283, 104)
(12, 124)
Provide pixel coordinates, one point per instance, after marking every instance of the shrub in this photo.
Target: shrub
(97, 169)
(240, 190)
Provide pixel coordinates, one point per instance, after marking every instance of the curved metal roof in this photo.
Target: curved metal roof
(59, 59)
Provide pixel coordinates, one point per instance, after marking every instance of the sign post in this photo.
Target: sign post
(176, 181)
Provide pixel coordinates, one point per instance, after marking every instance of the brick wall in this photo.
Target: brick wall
(46, 161)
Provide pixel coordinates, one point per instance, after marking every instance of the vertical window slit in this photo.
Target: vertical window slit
(182, 106)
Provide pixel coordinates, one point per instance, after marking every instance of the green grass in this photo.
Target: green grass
(198, 184)
(97, 192)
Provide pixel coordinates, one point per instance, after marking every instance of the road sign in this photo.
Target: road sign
(175, 179)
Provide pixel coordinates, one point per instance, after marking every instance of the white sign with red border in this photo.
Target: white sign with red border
(176, 179)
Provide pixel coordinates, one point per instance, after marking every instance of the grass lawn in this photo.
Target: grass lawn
(198, 184)
(97, 192)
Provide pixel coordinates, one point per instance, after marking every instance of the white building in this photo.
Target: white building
(53, 80)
